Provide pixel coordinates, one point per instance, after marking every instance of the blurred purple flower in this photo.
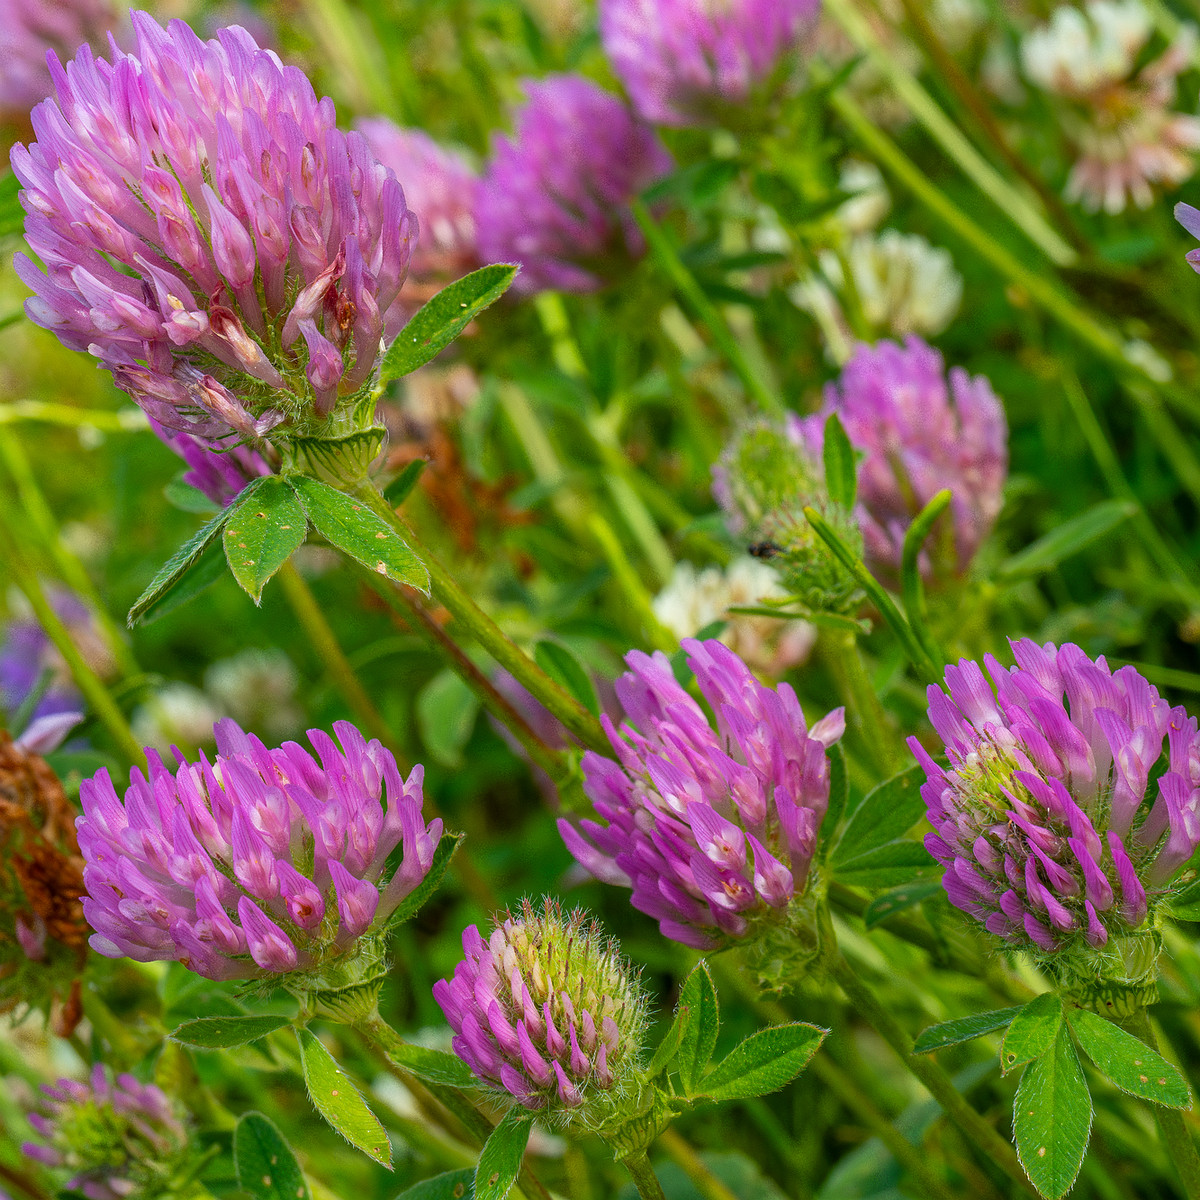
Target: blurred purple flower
(555, 198)
(220, 473)
(263, 862)
(682, 60)
(118, 1139)
(920, 431)
(1046, 820)
(545, 1010)
(714, 830)
(209, 234)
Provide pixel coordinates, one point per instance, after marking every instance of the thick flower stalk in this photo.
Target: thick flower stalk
(261, 863)
(1119, 115)
(1052, 830)
(211, 236)
(546, 1011)
(556, 196)
(714, 830)
(920, 430)
(115, 1139)
(685, 61)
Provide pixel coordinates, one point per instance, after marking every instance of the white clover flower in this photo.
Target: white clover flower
(1080, 51)
(258, 689)
(179, 714)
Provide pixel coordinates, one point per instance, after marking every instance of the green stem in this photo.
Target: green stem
(845, 660)
(644, 1179)
(88, 682)
(693, 1166)
(977, 1131)
(663, 249)
(446, 591)
(1177, 1138)
(626, 579)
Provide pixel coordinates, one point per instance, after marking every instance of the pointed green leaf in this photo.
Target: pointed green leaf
(264, 1162)
(398, 490)
(841, 466)
(763, 1063)
(700, 1014)
(350, 526)
(1031, 1032)
(189, 499)
(412, 903)
(965, 1029)
(889, 903)
(1052, 1118)
(1128, 1062)
(178, 571)
(893, 864)
(337, 1099)
(568, 672)
(502, 1154)
(219, 1033)
(453, 1185)
(437, 1066)
(1066, 539)
(435, 325)
(887, 812)
(263, 528)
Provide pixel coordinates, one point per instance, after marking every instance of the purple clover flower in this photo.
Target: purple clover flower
(118, 1139)
(1047, 821)
(547, 1011)
(920, 431)
(683, 60)
(260, 863)
(713, 829)
(556, 197)
(219, 472)
(209, 234)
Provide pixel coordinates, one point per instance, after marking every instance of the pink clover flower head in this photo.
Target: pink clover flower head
(209, 234)
(714, 830)
(30, 28)
(258, 864)
(1052, 831)
(556, 196)
(920, 429)
(116, 1138)
(683, 60)
(546, 1011)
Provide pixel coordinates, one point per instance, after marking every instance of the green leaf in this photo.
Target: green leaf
(219, 1033)
(264, 527)
(437, 323)
(337, 1099)
(173, 577)
(398, 490)
(264, 1162)
(764, 1062)
(841, 466)
(353, 528)
(568, 672)
(1128, 1062)
(695, 183)
(189, 499)
(1032, 1031)
(1185, 903)
(700, 1014)
(886, 813)
(964, 1029)
(437, 1066)
(446, 711)
(413, 902)
(839, 789)
(1052, 1118)
(893, 864)
(1066, 539)
(500, 1159)
(888, 904)
(453, 1185)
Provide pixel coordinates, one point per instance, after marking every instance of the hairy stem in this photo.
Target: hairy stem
(644, 1179)
(842, 653)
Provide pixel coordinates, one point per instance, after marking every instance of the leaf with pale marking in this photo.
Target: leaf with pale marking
(263, 529)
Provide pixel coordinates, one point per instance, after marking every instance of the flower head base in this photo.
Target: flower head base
(1121, 120)
(685, 61)
(264, 863)
(763, 480)
(117, 1139)
(1050, 827)
(713, 829)
(556, 197)
(547, 1011)
(211, 237)
(921, 431)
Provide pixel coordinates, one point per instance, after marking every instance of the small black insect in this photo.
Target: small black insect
(765, 549)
